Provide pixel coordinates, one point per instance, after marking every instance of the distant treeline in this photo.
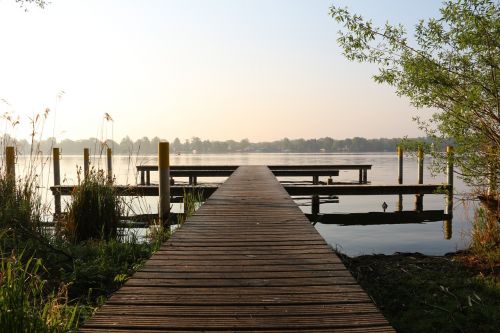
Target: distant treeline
(149, 146)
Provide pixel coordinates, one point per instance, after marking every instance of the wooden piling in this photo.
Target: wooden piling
(315, 198)
(449, 171)
(164, 181)
(449, 167)
(400, 177)
(419, 198)
(143, 181)
(400, 165)
(10, 161)
(420, 165)
(109, 155)
(86, 162)
(447, 225)
(57, 182)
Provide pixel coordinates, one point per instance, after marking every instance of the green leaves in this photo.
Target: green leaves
(453, 68)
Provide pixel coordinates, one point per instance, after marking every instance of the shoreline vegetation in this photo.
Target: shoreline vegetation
(52, 279)
(457, 292)
(147, 146)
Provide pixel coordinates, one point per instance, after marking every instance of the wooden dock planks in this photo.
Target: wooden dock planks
(248, 260)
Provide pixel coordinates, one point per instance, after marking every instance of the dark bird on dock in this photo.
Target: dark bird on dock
(384, 206)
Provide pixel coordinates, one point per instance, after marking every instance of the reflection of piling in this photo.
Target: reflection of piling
(109, 155)
(447, 225)
(400, 177)
(86, 162)
(315, 199)
(57, 181)
(10, 161)
(419, 198)
(164, 181)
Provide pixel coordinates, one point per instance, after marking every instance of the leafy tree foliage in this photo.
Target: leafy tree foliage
(451, 66)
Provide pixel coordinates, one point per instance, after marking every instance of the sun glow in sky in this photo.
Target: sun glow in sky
(219, 69)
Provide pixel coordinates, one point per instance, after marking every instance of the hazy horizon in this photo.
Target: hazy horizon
(218, 70)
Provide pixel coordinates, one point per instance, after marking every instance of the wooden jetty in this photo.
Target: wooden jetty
(248, 260)
(194, 171)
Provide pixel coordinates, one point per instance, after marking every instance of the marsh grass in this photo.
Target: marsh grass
(49, 283)
(94, 211)
(19, 204)
(26, 304)
(419, 293)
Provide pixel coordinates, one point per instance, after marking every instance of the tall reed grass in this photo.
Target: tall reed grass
(26, 304)
(94, 211)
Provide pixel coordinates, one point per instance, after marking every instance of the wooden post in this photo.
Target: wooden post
(419, 198)
(315, 205)
(164, 181)
(57, 182)
(184, 204)
(86, 162)
(148, 177)
(400, 177)
(143, 182)
(360, 176)
(400, 165)
(315, 199)
(365, 176)
(447, 223)
(449, 167)
(449, 171)
(110, 164)
(10, 161)
(420, 165)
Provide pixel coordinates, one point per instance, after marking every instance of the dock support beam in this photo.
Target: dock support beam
(57, 182)
(164, 181)
(86, 162)
(419, 198)
(400, 177)
(10, 161)
(109, 155)
(447, 227)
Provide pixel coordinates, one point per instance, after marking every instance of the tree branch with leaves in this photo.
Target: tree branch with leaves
(452, 66)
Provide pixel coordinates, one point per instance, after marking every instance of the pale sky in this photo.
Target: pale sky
(215, 69)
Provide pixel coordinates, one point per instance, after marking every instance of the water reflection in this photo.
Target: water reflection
(426, 237)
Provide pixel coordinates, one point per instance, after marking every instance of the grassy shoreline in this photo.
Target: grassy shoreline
(457, 292)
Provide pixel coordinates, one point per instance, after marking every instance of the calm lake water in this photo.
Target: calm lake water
(427, 238)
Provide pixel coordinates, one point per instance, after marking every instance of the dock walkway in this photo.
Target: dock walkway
(248, 260)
